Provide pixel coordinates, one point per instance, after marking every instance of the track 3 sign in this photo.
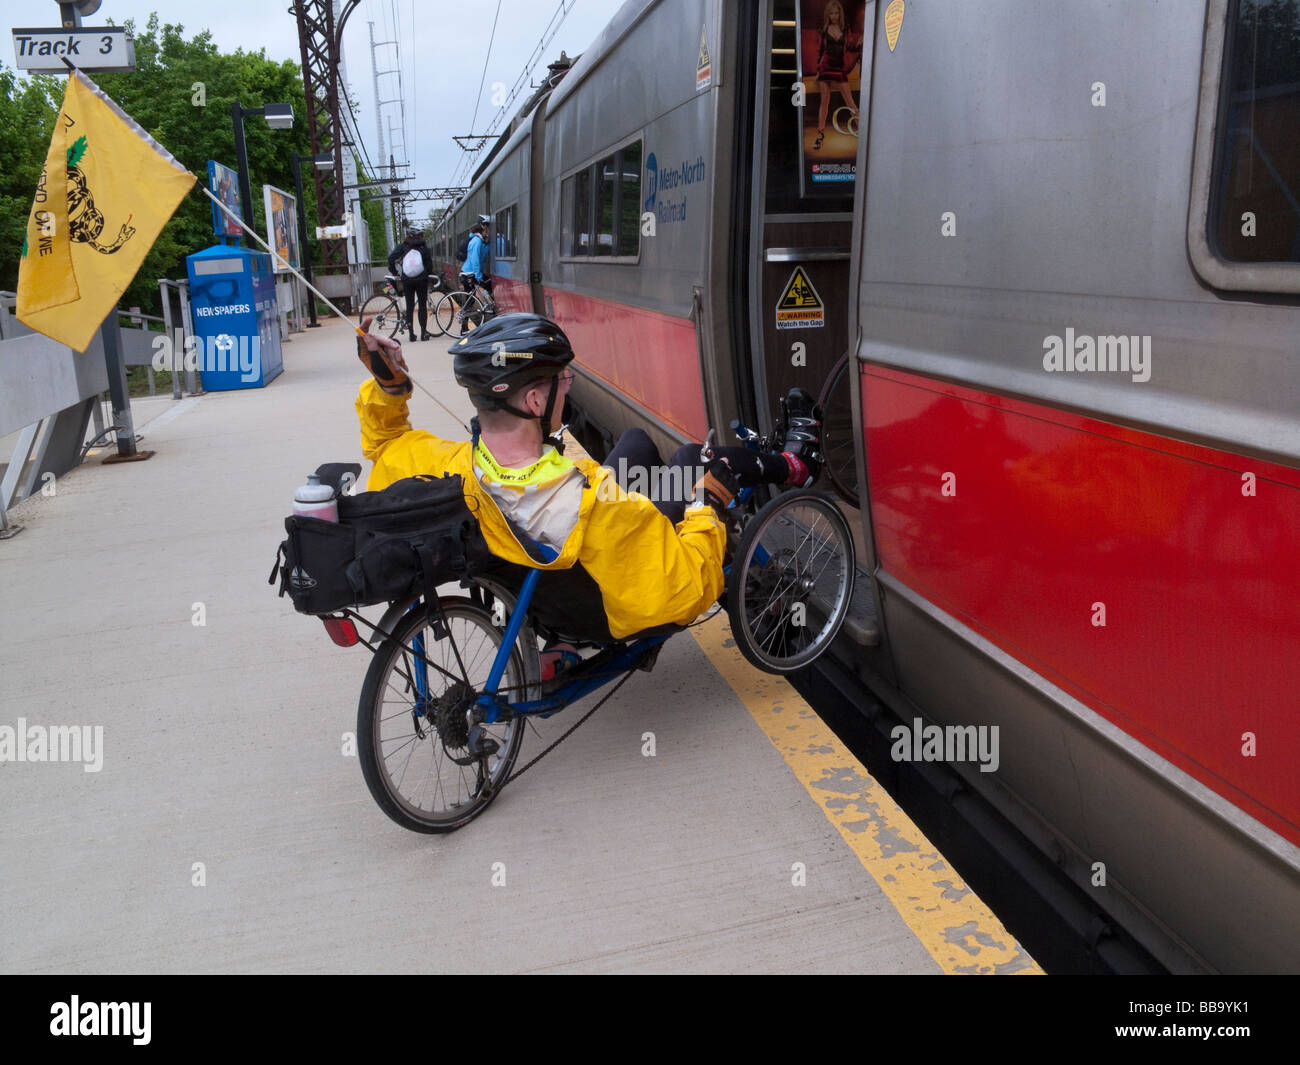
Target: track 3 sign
(42, 51)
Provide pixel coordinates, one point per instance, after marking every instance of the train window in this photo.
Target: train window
(503, 240)
(1255, 205)
(600, 207)
(581, 213)
(566, 215)
(629, 200)
(606, 183)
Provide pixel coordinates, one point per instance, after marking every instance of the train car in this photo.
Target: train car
(1061, 246)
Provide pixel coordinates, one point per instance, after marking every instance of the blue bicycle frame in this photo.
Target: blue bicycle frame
(490, 703)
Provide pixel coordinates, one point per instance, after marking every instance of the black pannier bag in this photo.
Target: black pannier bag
(410, 537)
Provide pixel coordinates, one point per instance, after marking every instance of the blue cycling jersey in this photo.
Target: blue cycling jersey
(476, 258)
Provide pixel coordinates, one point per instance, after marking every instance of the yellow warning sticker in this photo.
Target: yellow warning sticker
(800, 307)
(893, 22)
(704, 68)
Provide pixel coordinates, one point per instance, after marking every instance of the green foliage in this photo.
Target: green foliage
(27, 110)
(163, 96)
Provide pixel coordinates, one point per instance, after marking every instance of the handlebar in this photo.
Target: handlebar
(746, 435)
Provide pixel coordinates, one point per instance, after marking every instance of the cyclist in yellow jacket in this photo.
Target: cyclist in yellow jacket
(654, 563)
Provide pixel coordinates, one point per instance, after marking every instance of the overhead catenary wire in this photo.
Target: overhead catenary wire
(483, 77)
(472, 153)
(466, 162)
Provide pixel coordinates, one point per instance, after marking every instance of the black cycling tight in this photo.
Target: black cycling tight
(638, 468)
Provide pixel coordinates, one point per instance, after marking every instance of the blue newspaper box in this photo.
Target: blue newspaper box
(232, 303)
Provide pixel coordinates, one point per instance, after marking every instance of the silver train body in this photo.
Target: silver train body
(1021, 170)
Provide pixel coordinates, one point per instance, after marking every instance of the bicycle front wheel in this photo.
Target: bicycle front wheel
(791, 581)
(411, 720)
(384, 310)
(458, 313)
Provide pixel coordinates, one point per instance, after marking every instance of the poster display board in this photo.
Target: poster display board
(830, 69)
(282, 226)
(224, 184)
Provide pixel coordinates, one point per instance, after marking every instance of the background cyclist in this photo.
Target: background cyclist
(477, 265)
(413, 263)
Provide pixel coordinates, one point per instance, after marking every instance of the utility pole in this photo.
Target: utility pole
(389, 234)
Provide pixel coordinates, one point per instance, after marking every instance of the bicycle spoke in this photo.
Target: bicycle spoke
(412, 769)
(808, 569)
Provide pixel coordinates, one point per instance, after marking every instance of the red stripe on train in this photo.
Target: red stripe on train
(650, 357)
(511, 295)
(1050, 513)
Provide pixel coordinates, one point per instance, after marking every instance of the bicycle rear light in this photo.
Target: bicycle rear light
(342, 631)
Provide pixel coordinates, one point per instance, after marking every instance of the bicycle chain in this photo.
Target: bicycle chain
(608, 695)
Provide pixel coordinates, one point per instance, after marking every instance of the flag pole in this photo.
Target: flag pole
(114, 364)
(324, 299)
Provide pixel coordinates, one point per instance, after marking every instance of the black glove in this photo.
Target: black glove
(382, 356)
(718, 486)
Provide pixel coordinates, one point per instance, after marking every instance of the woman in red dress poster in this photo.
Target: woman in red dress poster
(837, 55)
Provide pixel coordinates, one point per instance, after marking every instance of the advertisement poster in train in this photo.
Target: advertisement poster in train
(830, 69)
(282, 225)
(224, 184)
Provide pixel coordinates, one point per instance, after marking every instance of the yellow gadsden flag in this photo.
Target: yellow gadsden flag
(106, 191)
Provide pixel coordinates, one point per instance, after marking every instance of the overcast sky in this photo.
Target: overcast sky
(443, 49)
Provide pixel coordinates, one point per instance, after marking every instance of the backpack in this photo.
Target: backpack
(388, 545)
(462, 250)
(412, 263)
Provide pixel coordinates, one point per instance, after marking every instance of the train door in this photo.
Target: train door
(813, 79)
(811, 88)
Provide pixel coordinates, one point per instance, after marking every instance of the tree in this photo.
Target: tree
(25, 106)
(180, 93)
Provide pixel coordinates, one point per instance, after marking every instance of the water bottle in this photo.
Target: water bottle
(316, 500)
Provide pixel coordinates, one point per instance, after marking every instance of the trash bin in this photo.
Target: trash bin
(232, 304)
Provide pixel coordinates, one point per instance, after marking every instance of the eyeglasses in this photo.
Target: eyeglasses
(567, 375)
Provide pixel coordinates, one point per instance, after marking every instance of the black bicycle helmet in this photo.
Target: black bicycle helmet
(506, 354)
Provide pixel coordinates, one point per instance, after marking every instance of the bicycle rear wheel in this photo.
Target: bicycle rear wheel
(838, 436)
(411, 723)
(387, 315)
(791, 581)
(458, 313)
(435, 327)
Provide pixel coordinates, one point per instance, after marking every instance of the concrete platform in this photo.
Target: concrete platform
(228, 832)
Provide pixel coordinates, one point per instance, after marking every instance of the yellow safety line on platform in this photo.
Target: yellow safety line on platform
(959, 931)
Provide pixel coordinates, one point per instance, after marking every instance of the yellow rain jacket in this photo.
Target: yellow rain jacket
(648, 572)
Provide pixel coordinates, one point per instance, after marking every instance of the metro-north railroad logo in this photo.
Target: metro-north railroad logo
(662, 183)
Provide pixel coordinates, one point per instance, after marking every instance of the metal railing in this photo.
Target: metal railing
(50, 394)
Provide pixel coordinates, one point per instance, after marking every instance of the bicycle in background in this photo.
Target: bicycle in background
(388, 308)
(459, 312)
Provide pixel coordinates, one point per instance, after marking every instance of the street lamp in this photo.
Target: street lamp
(324, 161)
(278, 116)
